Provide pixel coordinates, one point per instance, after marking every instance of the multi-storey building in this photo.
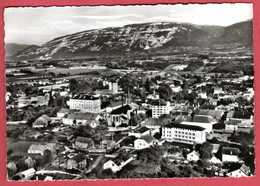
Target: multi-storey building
(184, 133)
(160, 108)
(85, 103)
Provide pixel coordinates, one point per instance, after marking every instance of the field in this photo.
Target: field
(19, 147)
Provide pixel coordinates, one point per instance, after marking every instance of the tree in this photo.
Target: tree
(206, 150)
(47, 156)
(73, 84)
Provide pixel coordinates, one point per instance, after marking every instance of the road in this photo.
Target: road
(98, 160)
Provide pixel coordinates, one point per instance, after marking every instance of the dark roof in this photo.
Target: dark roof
(78, 158)
(207, 106)
(43, 120)
(203, 119)
(232, 122)
(121, 110)
(148, 138)
(230, 151)
(86, 116)
(66, 110)
(239, 114)
(85, 97)
(85, 140)
(183, 126)
(245, 169)
(158, 102)
(214, 113)
(141, 129)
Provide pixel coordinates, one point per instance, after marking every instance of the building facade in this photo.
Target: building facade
(159, 109)
(184, 133)
(85, 103)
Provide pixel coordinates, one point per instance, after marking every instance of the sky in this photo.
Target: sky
(28, 25)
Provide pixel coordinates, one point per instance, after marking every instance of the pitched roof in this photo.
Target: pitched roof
(245, 169)
(203, 119)
(141, 129)
(66, 110)
(78, 158)
(230, 151)
(85, 97)
(121, 110)
(239, 114)
(195, 153)
(183, 126)
(43, 120)
(231, 122)
(85, 140)
(85, 116)
(213, 113)
(148, 138)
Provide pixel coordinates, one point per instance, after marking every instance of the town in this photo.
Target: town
(144, 117)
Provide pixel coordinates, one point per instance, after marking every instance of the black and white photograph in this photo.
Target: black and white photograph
(129, 92)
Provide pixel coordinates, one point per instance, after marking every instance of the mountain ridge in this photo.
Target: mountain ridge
(142, 37)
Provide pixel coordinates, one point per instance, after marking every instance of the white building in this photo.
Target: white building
(206, 122)
(243, 171)
(184, 133)
(85, 103)
(160, 108)
(193, 156)
(215, 160)
(145, 142)
(230, 154)
(113, 86)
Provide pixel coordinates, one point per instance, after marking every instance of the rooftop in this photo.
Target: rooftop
(203, 119)
(148, 138)
(121, 110)
(239, 114)
(183, 126)
(85, 97)
(230, 151)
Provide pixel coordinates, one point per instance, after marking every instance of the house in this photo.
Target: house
(206, 122)
(243, 171)
(230, 154)
(139, 132)
(215, 160)
(184, 133)
(114, 167)
(84, 143)
(216, 114)
(111, 165)
(215, 148)
(87, 118)
(193, 156)
(41, 122)
(120, 115)
(160, 107)
(241, 116)
(39, 149)
(26, 175)
(231, 125)
(30, 163)
(213, 102)
(86, 103)
(77, 162)
(145, 142)
(64, 111)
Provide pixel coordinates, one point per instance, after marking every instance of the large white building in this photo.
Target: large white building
(85, 103)
(113, 86)
(184, 133)
(160, 108)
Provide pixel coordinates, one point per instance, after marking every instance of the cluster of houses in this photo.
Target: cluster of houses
(134, 125)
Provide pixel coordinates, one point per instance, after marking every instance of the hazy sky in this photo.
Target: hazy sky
(38, 25)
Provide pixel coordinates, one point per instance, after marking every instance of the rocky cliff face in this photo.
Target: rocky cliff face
(137, 37)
